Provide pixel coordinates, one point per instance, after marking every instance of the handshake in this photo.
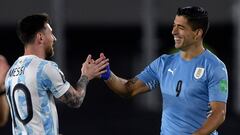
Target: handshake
(96, 68)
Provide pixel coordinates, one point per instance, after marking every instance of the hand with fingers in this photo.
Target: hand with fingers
(94, 68)
(107, 74)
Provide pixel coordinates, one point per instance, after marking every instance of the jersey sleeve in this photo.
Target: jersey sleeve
(218, 84)
(54, 80)
(150, 74)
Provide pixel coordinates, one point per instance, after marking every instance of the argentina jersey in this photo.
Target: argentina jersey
(187, 88)
(31, 83)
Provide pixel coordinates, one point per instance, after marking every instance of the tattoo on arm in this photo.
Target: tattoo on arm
(82, 82)
(131, 82)
(129, 86)
(74, 98)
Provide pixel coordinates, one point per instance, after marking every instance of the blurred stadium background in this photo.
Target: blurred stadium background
(131, 33)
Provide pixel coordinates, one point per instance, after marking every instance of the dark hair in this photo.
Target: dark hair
(196, 16)
(30, 25)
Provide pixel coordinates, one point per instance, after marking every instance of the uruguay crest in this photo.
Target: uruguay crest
(198, 72)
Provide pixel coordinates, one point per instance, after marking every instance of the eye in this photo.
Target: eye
(181, 27)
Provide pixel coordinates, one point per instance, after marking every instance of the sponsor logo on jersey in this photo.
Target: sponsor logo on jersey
(171, 71)
(223, 84)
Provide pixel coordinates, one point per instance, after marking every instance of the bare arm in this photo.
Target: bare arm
(90, 69)
(126, 88)
(74, 97)
(216, 118)
(4, 109)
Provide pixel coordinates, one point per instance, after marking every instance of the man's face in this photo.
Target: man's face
(183, 34)
(49, 40)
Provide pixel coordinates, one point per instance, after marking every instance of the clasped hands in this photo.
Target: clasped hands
(96, 68)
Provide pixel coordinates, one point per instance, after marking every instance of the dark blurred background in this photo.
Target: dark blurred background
(132, 33)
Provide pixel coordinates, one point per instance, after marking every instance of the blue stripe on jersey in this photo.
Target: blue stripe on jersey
(21, 78)
(48, 82)
(45, 107)
(27, 61)
(21, 101)
(22, 97)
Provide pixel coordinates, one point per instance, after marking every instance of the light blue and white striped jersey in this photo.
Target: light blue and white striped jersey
(187, 88)
(31, 84)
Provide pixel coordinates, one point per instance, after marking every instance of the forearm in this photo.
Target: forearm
(74, 97)
(82, 87)
(211, 124)
(118, 85)
(4, 110)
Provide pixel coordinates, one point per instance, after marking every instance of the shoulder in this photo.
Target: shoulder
(213, 60)
(166, 58)
(50, 68)
(43, 67)
(34, 60)
(162, 61)
(215, 67)
(43, 63)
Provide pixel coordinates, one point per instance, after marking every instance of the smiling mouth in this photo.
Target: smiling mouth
(177, 39)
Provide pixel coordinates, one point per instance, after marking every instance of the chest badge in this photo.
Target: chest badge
(198, 72)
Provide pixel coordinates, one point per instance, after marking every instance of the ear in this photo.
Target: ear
(39, 38)
(198, 34)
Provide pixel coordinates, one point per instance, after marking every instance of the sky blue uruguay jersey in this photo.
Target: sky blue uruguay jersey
(187, 88)
(31, 84)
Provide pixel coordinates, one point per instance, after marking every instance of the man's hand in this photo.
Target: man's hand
(94, 68)
(107, 74)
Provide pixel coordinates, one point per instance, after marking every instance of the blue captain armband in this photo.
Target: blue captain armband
(106, 75)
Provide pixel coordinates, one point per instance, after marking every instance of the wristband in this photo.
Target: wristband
(106, 75)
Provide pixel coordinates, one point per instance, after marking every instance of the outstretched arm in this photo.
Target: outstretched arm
(4, 109)
(123, 87)
(215, 119)
(90, 69)
(126, 88)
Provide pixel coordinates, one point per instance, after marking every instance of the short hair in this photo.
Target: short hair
(30, 25)
(196, 16)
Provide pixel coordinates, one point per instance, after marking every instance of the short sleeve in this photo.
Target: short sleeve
(54, 80)
(218, 84)
(150, 74)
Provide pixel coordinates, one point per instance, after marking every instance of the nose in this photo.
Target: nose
(54, 39)
(174, 31)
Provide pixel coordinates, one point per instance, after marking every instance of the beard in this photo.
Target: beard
(49, 53)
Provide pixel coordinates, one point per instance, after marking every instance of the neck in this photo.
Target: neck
(192, 51)
(32, 49)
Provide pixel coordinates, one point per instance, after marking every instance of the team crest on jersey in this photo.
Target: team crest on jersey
(198, 72)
